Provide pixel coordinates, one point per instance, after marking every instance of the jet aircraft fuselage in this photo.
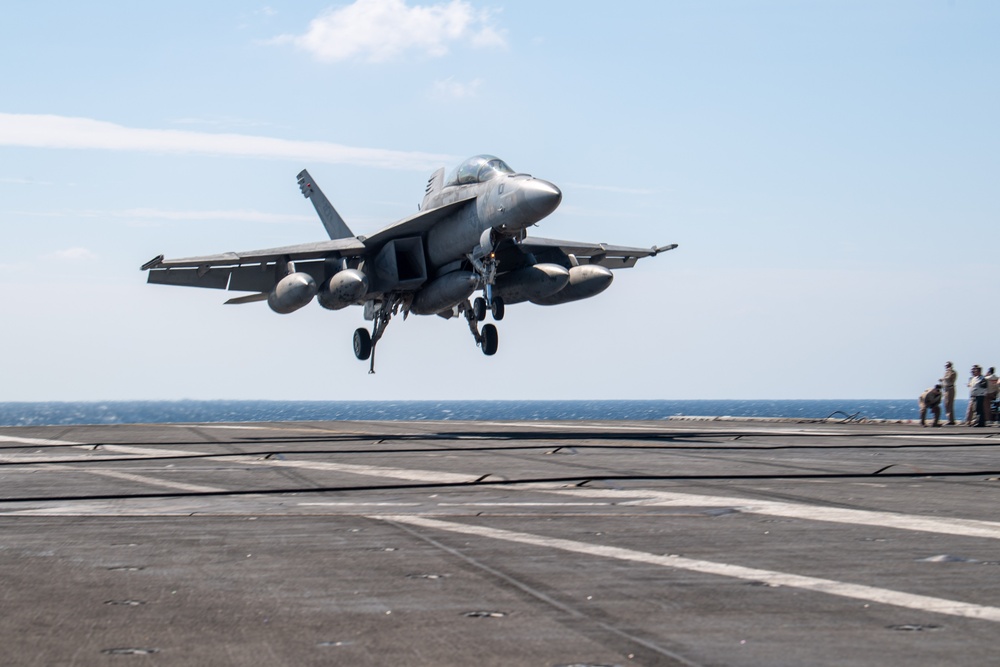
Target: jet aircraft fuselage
(469, 234)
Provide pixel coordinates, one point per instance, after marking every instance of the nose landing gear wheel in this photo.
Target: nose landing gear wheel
(491, 340)
(479, 308)
(362, 344)
(497, 308)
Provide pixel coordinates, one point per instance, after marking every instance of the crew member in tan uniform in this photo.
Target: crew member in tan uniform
(976, 414)
(930, 400)
(991, 393)
(948, 388)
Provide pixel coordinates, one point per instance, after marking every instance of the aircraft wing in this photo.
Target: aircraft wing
(610, 256)
(343, 247)
(249, 271)
(260, 270)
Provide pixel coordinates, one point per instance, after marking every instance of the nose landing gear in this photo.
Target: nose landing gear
(494, 306)
(488, 339)
(486, 267)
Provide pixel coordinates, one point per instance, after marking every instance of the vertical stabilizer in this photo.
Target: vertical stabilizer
(434, 185)
(335, 225)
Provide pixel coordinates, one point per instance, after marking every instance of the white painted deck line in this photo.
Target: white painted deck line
(773, 578)
(914, 522)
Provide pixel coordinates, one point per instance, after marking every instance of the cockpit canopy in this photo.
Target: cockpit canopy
(478, 169)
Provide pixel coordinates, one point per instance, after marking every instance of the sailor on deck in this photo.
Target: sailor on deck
(992, 382)
(930, 400)
(948, 386)
(976, 414)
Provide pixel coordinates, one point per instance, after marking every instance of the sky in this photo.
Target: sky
(829, 170)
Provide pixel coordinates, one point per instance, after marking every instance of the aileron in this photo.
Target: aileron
(212, 278)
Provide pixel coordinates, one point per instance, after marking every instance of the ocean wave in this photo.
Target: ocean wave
(159, 412)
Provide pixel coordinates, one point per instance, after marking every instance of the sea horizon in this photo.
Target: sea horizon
(52, 413)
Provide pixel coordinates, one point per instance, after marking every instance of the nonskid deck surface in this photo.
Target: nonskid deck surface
(513, 543)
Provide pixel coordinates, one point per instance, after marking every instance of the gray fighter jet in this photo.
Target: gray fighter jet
(470, 234)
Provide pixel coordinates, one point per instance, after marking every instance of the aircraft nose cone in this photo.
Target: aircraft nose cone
(541, 197)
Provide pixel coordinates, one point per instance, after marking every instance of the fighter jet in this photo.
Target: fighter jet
(469, 235)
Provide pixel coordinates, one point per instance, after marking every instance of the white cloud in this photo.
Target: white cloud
(23, 181)
(71, 254)
(150, 214)
(47, 131)
(456, 90)
(224, 121)
(239, 215)
(381, 30)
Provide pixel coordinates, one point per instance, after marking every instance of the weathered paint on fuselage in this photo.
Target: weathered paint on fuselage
(506, 204)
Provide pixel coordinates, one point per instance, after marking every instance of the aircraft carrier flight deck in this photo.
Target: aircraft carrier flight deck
(508, 543)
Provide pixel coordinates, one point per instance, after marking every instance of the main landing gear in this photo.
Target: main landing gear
(382, 311)
(364, 343)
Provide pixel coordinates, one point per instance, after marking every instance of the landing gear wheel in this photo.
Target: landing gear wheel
(362, 344)
(497, 308)
(491, 340)
(479, 308)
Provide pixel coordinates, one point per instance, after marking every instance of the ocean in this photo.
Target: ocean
(189, 411)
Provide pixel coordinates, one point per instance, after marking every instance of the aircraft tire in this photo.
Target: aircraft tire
(497, 308)
(491, 340)
(479, 308)
(362, 344)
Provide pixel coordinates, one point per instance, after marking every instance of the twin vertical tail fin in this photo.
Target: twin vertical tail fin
(335, 225)
(434, 185)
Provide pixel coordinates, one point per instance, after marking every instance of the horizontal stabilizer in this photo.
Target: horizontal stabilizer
(151, 263)
(335, 225)
(663, 248)
(250, 298)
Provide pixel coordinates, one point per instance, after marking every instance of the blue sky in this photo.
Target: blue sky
(829, 170)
